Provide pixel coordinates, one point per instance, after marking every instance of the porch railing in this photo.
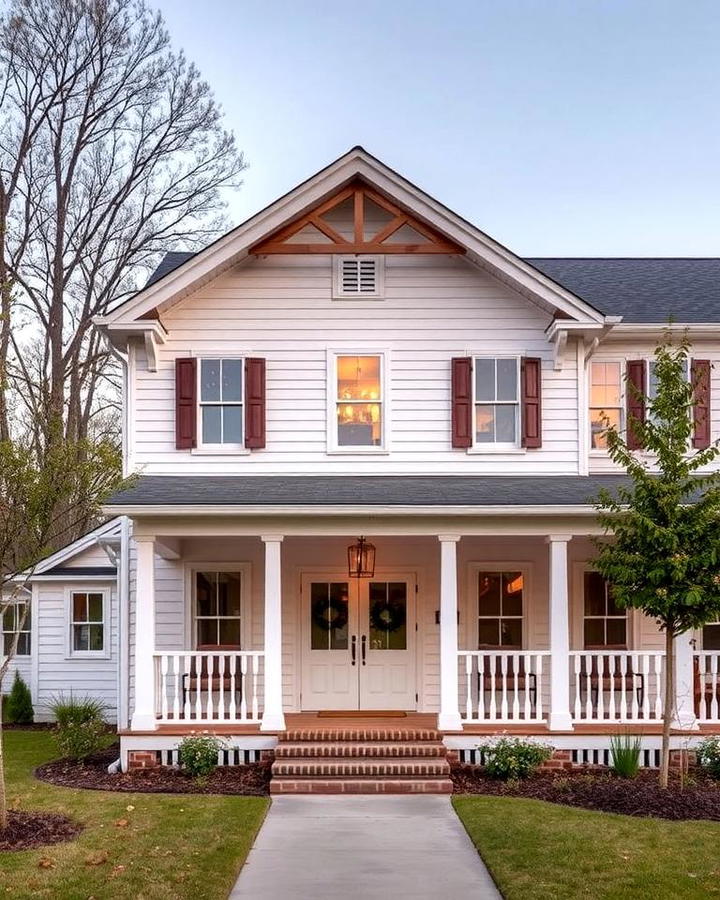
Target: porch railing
(209, 686)
(616, 685)
(706, 685)
(499, 686)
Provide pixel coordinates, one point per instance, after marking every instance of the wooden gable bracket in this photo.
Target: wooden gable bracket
(378, 243)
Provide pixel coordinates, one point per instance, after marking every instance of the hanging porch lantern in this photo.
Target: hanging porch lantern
(361, 559)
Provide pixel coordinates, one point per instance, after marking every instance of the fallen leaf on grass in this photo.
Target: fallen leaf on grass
(46, 863)
(117, 870)
(96, 858)
(122, 823)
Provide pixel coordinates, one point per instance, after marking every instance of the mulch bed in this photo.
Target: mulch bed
(252, 780)
(697, 798)
(26, 830)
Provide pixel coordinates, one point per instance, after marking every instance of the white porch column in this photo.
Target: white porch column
(449, 717)
(560, 719)
(684, 716)
(143, 717)
(273, 718)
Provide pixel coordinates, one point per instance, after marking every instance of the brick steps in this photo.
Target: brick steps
(377, 760)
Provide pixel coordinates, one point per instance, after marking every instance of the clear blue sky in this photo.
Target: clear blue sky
(560, 127)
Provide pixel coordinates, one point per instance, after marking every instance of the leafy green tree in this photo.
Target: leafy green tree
(40, 509)
(662, 544)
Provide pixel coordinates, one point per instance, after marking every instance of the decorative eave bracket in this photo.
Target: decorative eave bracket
(152, 330)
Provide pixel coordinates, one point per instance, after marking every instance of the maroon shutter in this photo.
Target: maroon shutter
(185, 403)
(700, 379)
(255, 403)
(462, 401)
(635, 399)
(531, 385)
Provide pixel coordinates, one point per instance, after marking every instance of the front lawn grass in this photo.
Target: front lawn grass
(139, 846)
(537, 851)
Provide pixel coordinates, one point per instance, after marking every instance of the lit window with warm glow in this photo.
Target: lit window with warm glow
(359, 401)
(497, 401)
(500, 609)
(605, 401)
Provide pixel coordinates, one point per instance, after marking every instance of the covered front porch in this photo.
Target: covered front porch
(495, 625)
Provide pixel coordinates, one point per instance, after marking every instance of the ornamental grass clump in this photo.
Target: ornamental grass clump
(80, 725)
(625, 755)
(198, 755)
(708, 756)
(510, 758)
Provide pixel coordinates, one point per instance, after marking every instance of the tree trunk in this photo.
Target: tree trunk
(3, 793)
(669, 705)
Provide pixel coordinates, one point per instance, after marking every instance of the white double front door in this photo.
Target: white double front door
(358, 647)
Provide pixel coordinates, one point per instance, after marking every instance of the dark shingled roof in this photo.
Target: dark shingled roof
(364, 490)
(639, 289)
(642, 290)
(90, 571)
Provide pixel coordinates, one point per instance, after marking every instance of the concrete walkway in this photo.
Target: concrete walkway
(362, 848)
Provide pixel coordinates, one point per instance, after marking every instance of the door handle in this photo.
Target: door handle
(353, 648)
(363, 646)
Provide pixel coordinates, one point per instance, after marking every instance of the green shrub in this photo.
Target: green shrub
(198, 754)
(708, 756)
(80, 727)
(510, 757)
(625, 755)
(18, 708)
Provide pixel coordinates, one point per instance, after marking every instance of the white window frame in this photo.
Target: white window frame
(526, 569)
(26, 629)
(498, 446)
(106, 652)
(219, 449)
(245, 570)
(622, 364)
(337, 291)
(333, 447)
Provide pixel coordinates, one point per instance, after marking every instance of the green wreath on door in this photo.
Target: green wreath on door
(387, 617)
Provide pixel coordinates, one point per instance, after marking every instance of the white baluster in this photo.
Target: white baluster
(468, 687)
(577, 668)
(634, 685)
(255, 670)
(601, 686)
(646, 686)
(221, 686)
(515, 659)
(177, 679)
(210, 707)
(492, 662)
(589, 708)
(529, 669)
(658, 683)
(232, 709)
(187, 687)
(198, 684)
(622, 663)
(504, 683)
(243, 688)
(481, 686)
(539, 708)
(163, 687)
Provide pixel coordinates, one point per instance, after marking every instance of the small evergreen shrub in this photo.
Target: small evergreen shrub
(512, 758)
(708, 756)
(18, 708)
(625, 755)
(198, 754)
(80, 725)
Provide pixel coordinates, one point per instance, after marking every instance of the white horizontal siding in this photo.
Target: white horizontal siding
(281, 308)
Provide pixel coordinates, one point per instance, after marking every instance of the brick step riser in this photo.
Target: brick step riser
(388, 735)
(353, 750)
(361, 786)
(360, 769)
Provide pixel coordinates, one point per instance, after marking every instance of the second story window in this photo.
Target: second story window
(221, 401)
(497, 401)
(606, 406)
(359, 401)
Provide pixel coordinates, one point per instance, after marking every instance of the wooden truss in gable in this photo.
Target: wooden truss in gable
(317, 232)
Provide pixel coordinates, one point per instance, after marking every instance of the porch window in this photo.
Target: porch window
(221, 396)
(500, 609)
(87, 627)
(13, 624)
(606, 406)
(711, 636)
(218, 610)
(359, 401)
(497, 400)
(604, 623)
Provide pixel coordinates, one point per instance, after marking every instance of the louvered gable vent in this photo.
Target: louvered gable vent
(358, 276)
